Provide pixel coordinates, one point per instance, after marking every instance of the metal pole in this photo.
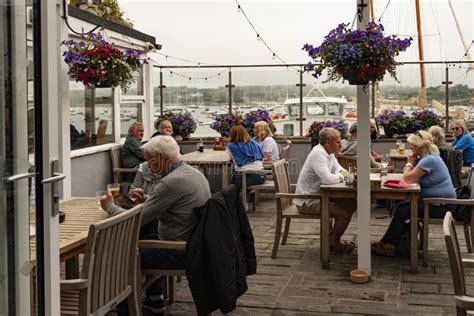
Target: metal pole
(161, 86)
(301, 85)
(230, 86)
(446, 98)
(373, 90)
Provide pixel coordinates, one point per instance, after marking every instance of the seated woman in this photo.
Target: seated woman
(438, 137)
(164, 128)
(263, 136)
(425, 167)
(463, 141)
(247, 155)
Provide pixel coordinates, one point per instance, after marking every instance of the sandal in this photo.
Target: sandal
(343, 247)
(383, 249)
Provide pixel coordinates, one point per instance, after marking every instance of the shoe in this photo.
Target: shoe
(156, 307)
(343, 247)
(383, 249)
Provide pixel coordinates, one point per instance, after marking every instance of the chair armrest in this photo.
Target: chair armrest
(293, 187)
(313, 196)
(74, 284)
(162, 244)
(267, 164)
(448, 201)
(468, 263)
(465, 302)
(125, 169)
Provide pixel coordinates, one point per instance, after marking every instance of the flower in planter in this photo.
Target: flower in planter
(312, 133)
(95, 62)
(394, 122)
(357, 56)
(423, 119)
(252, 117)
(183, 123)
(223, 123)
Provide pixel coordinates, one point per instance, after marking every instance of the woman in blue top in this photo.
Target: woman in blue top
(427, 168)
(247, 155)
(463, 141)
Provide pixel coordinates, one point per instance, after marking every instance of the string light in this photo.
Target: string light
(259, 37)
(198, 63)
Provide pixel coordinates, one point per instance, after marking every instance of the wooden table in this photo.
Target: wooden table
(396, 157)
(211, 159)
(340, 190)
(80, 213)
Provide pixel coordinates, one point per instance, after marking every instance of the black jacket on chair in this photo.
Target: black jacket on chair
(220, 253)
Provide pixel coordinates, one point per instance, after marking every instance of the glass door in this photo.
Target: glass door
(29, 268)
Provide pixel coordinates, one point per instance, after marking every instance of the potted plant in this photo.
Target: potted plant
(312, 133)
(97, 63)
(224, 122)
(424, 119)
(394, 122)
(183, 123)
(356, 56)
(252, 117)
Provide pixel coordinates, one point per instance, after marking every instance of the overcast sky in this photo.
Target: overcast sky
(215, 32)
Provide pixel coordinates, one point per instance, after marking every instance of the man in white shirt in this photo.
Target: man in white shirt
(321, 167)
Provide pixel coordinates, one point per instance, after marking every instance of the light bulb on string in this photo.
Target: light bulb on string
(239, 10)
(171, 74)
(258, 37)
(273, 56)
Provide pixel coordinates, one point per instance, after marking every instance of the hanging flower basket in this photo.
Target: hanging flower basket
(97, 63)
(356, 56)
(183, 123)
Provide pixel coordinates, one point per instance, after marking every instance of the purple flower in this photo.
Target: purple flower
(183, 123)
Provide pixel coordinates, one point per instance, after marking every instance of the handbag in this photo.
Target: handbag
(399, 184)
(462, 213)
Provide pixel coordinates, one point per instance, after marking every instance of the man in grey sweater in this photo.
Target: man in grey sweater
(168, 210)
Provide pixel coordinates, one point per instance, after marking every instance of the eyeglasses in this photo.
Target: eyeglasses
(455, 128)
(417, 133)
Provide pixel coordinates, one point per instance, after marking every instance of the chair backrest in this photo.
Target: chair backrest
(110, 260)
(116, 163)
(100, 137)
(285, 151)
(345, 160)
(282, 182)
(454, 161)
(454, 254)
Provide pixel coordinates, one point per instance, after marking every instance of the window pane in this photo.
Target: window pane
(295, 110)
(315, 109)
(335, 109)
(91, 115)
(136, 88)
(129, 114)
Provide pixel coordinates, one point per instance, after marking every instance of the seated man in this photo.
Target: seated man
(320, 167)
(349, 146)
(131, 153)
(169, 208)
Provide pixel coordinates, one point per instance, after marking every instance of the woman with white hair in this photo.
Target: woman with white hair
(463, 141)
(438, 137)
(263, 136)
(426, 168)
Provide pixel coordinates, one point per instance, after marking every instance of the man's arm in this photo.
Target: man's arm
(159, 202)
(320, 166)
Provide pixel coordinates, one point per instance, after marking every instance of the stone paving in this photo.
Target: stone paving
(295, 283)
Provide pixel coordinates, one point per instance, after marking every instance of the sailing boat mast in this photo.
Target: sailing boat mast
(422, 93)
(466, 49)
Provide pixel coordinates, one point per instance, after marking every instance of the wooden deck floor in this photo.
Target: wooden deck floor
(295, 283)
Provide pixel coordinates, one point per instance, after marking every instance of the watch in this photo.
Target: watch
(409, 164)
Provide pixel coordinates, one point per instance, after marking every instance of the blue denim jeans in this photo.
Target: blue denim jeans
(252, 178)
(398, 225)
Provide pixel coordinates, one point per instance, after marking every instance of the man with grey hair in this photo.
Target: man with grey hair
(349, 146)
(131, 153)
(170, 204)
(321, 167)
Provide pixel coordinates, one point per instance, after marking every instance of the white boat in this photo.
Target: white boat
(314, 109)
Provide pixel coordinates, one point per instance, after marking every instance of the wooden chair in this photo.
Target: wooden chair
(286, 151)
(464, 302)
(153, 275)
(467, 228)
(345, 160)
(285, 208)
(120, 173)
(268, 185)
(101, 133)
(109, 270)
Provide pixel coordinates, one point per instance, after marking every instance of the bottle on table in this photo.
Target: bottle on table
(350, 177)
(201, 146)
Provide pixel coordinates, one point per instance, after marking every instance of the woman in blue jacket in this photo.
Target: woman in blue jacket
(463, 141)
(247, 155)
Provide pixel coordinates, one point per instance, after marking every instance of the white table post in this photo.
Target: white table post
(363, 160)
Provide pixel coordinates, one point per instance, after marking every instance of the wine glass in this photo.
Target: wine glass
(384, 161)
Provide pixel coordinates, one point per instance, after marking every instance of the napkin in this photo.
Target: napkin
(396, 184)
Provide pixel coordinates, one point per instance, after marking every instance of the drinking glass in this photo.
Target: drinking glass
(113, 189)
(99, 195)
(384, 161)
